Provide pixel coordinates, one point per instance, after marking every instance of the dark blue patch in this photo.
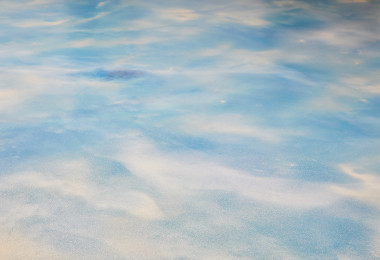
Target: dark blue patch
(118, 74)
(108, 75)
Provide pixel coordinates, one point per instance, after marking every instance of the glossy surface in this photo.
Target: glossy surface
(189, 129)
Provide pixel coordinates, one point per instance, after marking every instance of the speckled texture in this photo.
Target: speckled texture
(189, 129)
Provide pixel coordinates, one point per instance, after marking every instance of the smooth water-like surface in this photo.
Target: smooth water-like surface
(189, 129)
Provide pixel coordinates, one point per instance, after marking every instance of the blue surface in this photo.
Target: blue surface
(189, 129)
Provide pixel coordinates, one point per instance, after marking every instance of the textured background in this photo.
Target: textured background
(189, 129)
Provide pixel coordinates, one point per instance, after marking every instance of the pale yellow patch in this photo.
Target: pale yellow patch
(284, 3)
(353, 1)
(243, 18)
(181, 15)
(101, 4)
(27, 24)
(375, 89)
(367, 190)
(92, 18)
(16, 246)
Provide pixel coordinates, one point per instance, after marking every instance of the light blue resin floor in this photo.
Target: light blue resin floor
(189, 129)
